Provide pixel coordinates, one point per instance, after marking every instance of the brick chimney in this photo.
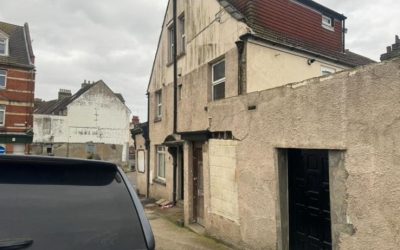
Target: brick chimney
(64, 93)
(392, 51)
(135, 120)
(85, 84)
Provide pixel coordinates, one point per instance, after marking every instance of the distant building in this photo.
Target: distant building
(92, 123)
(392, 51)
(17, 85)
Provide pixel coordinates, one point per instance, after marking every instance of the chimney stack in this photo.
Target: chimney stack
(85, 84)
(135, 120)
(64, 93)
(392, 51)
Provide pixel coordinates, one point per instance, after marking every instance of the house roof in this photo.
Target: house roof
(262, 32)
(55, 107)
(20, 48)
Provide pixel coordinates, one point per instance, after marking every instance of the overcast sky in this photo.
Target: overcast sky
(116, 40)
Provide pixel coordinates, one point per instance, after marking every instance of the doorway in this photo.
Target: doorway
(309, 200)
(179, 175)
(198, 188)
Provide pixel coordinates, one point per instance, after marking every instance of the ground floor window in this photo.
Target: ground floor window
(161, 162)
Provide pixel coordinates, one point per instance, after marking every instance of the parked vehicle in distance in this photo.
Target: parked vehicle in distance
(54, 203)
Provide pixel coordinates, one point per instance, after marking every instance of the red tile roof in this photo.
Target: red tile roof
(297, 24)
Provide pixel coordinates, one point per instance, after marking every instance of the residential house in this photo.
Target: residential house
(17, 86)
(225, 49)
(92, 123)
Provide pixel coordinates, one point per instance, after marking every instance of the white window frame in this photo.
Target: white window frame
(5, 78)
(160, 151)
(327, 70)
(182, 34)
(5, 42)
(159, 104)
(3, 114)
(219, 81)
(327, 22)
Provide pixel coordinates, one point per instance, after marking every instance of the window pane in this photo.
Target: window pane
(1, 116)
(2, 78)
(161, 165)
(219, 91)
(219, 71)
(2, 46)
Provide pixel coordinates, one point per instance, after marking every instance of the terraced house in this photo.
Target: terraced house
(211, 51)
(17, 85)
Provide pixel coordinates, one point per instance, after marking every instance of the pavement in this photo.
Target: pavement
(168, 235)
(165, 223)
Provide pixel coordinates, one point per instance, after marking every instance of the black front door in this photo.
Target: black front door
(309, 203)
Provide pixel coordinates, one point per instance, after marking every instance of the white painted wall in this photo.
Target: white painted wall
(97, 116)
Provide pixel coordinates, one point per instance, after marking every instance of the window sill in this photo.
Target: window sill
(327, 27)
(182, 54)
(160, 182)
(157, 119)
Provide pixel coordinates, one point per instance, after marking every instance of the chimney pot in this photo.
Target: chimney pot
(397, 39)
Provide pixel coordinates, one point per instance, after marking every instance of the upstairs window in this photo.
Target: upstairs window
(181, 35)
(3, 78)
(327, 22)
(2, 115)
(3, 46)
(158, 105)
(171, 43)
(326, 71)
(218, 80)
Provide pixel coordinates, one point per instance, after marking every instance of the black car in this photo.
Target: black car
(56, 204)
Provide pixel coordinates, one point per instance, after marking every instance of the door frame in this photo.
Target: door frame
(338, 203)
(195, 178)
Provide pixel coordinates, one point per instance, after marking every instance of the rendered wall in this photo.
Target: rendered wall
(208, 38)
(355, 113)
(269, 67)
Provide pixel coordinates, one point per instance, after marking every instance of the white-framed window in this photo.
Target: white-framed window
(218, 80)
(171, 43)
(327, 70)
(159, 104)
(160, 162)
(3, 46)
(3, 78)
(181, 35)
(327, 22)
(2, 115)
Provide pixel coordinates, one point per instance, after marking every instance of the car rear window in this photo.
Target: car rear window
(68, 207)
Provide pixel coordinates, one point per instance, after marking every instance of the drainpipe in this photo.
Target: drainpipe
(147, 145)
(343, 35)
(175, 52)
(240, 44)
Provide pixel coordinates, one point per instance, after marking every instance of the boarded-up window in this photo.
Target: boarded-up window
(140, 161)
